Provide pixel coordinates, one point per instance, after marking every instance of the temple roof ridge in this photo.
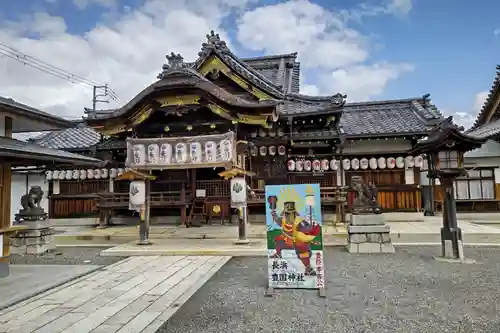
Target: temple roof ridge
(487, 113)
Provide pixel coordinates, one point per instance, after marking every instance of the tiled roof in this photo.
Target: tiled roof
(491, 99)
(79, 137)
(24, 150)
(283, 70)
(15, 106)
(389, 117)
(486, 131)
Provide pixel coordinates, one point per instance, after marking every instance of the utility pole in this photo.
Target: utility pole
(99, 91)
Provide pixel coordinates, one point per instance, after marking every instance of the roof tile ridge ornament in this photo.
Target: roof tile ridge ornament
(213, 43)
(175, 62)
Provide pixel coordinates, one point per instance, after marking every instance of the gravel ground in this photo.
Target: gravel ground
(67, 256)
(405, 292)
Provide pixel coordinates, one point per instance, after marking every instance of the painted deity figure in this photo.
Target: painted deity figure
(297, 234)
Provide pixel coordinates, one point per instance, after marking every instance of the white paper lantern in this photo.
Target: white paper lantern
(291, 165)
(48, 175)
(139, 154)
(272, 150)
(334, 164)
(400, 162)
(180, 153)
(104, 173)
(391, 162)
(238, 191)
(226, 150)
(137, 194)
(83, 174)
(90, 173)
(363, 163)
(281, 150)
(316, 165)
(97, 174)
(263, 151)
(418, 160)
(346, 164)
(165, 153)
(75, 175)
(55, 174)
(62, 174)
(153, 153)
(307, 165)
(210, 151)
(195, 152)
(381, 163)
(325, 165)
(373, 163)
(355, 164)
(299, 165)
(112, 173)
(409, 162)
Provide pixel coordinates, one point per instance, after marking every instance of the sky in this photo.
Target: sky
(368, 49)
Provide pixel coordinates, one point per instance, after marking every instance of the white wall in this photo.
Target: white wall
(21, 183)
(378, 146)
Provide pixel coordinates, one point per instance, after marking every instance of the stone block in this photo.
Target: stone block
(357, 238)
(352, 248)
(367, 219)
(387, 248)
(386, 237)
(365, 229)
(369, 248)
(374, 237)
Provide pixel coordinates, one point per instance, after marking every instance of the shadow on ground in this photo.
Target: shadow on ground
(405, 292)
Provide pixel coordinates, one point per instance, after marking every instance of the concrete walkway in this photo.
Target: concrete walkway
(26, 281)
(136, 295)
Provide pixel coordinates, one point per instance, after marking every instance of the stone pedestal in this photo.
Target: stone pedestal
(36, 238)
(369, 234)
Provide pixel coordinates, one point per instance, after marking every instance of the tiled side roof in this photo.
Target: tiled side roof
(388, 117)
(28, 110)
(486, 131)
(79, 137)
(492, 98)
(20, 149)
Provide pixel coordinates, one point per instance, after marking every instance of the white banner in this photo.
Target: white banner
(181, 152)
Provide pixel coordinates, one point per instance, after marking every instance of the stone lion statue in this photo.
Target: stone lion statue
(366, 197)
(31, 205)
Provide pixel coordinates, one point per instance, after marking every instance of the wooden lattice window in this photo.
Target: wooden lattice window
(214, 188)
(83, 186)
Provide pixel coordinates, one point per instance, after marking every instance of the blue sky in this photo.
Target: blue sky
(450, 44)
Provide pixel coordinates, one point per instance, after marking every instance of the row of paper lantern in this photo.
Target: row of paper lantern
(83, 174)
(355, 164)
(271, 150)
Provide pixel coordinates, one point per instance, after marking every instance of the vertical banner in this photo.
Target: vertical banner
(294, 236)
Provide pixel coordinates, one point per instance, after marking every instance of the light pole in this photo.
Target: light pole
(445, 148)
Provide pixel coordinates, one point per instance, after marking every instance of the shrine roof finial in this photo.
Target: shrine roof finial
(213, 43)
(338, 99)
(175, 62)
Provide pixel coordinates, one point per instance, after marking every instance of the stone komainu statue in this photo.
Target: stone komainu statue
(366, 197)
(31, 205)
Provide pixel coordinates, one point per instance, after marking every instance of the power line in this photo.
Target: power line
(47, 68)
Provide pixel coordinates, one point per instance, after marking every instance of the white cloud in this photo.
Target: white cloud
(82, 4)
(335, 53)
(479, 100)
(128, 52)
(362, 82)
(496, 32)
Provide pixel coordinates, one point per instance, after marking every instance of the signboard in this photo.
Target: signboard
(137, 195)
(202, 151)
(294, 236)
(238, 192)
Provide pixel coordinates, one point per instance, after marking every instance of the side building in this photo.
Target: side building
(293, 138)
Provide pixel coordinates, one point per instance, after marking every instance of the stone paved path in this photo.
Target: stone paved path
(135, 295)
